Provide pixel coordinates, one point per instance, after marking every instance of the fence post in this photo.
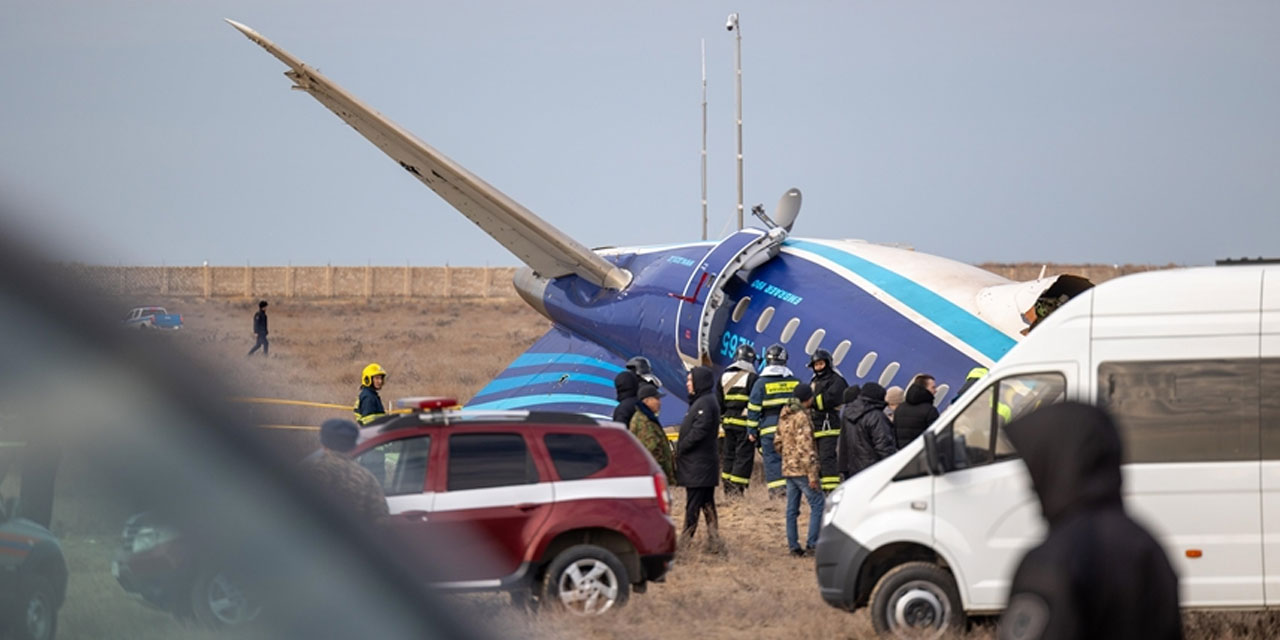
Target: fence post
(408, 281)
(164, 280)
(248, 281)
(368, 281)
(448, 281)
(328, 279)
(488, 281)
(289, 281)
(208, 281)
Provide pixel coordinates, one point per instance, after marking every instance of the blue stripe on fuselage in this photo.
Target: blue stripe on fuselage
(960, 323)
(524, 402)
(538, 359)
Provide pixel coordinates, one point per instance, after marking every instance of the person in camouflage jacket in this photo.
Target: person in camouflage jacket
(648, 430)
(800, 467)
(351, 487)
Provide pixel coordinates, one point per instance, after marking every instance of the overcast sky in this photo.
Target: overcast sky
(150, 132)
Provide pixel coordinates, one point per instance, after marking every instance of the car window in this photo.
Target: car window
(399, 465)
(575, 455)
(1184, 411)
(481, 460)
(978, 431)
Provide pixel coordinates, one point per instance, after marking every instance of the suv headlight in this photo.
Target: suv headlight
(150, 537)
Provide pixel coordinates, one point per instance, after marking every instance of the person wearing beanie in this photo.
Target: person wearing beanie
(352, 488)
(626, 384)
(647, 428)
(893, 396)
(850, 394)
(867, 434)
(800, 467)
(260, 329)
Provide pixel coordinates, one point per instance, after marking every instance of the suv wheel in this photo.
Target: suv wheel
(916, 600)
(587, 580)
(38, 614)
(217, 602)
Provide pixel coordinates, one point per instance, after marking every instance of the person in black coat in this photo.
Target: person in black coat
(866, 435)
(697, 460)
(260, 329)
(917, 413)
(1098, 574)
(627, 384)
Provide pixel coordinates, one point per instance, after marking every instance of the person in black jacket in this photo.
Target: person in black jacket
(917, 413)
(260, 329)
(828, 392)
(866, 436)
(1098, 574)
(627, 384)
(697, 462)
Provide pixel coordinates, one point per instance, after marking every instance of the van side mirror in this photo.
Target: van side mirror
(931, 459)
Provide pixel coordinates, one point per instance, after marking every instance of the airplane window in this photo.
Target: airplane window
(766, 317)
(741, 308)
(868, 361)
(940, 394)
(814, 341)
(889, 372)
(790, 330)
(841, 351)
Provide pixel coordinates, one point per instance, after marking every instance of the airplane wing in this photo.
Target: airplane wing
(546, 249)
(564, 372)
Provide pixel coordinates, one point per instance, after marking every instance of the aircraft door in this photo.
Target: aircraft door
(702, 312)
(986, 514)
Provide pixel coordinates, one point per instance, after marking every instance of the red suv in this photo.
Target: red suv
(552, 507)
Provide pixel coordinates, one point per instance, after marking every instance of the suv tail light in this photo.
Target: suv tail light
(662, 492)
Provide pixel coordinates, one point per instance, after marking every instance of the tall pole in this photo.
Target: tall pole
(704, 138)
(734, 26)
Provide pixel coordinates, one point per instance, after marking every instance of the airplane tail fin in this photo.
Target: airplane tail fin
(547, 250)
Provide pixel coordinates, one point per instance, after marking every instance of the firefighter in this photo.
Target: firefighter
(828, 393)
(975, 374)
(369, 406)
(643, 369)
(775, 386)
(737, 456)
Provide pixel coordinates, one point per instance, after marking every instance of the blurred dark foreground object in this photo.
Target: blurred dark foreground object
(1098, 574)
(141, 431)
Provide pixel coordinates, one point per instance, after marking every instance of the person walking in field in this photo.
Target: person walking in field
(646, 427)
(795, 443)
(260, 329)
(697, 462)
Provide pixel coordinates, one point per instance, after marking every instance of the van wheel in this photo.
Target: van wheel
(916, 600)
(587, 580)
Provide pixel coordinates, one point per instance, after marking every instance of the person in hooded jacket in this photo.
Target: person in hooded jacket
(697, 462)
(866, 436)
(917, 413)
(627, 384)
(1098, 574)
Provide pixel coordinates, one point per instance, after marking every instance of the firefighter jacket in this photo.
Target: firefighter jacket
(828, 395)
(775, 386)
(369, 406)
(794, 443)
(737, 381)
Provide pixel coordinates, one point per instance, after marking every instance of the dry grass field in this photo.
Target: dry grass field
(452, 348)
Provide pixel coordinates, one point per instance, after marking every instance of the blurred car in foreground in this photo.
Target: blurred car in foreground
(153, 318)
(33, 578)
(553, 507)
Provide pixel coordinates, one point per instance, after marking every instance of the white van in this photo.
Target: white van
(1187, 362)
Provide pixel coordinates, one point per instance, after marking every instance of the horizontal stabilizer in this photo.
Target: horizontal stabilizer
(546, 249)
(564, 372)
